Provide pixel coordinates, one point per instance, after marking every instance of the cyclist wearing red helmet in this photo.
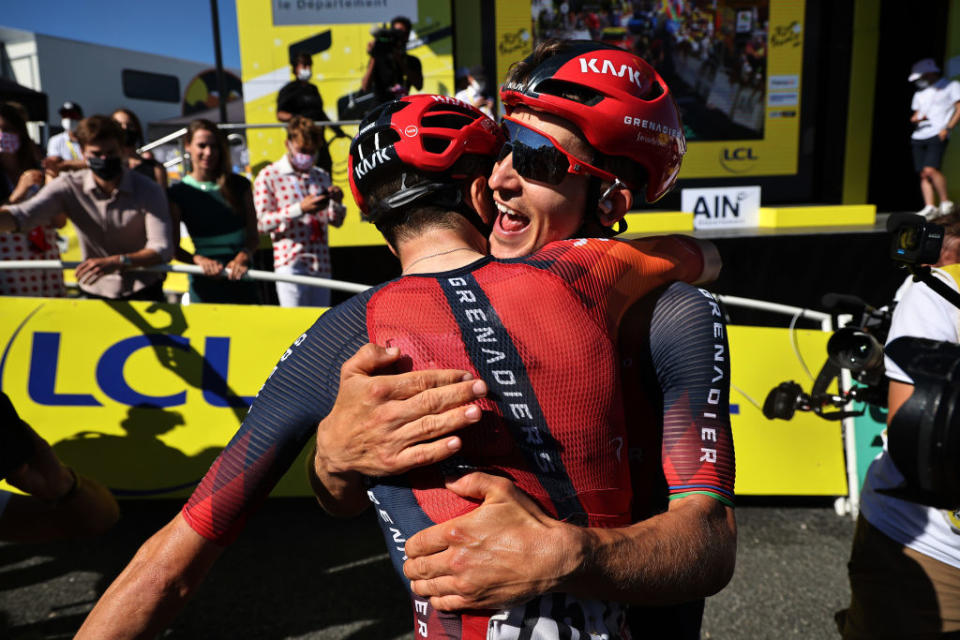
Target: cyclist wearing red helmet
(418, 169)
(589, 125)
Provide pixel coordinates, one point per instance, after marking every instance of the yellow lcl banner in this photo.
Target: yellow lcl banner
(143, 396)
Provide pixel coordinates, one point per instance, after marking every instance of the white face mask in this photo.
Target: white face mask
(304, 74)
(69, 124)
(476, 86)
(922, 83)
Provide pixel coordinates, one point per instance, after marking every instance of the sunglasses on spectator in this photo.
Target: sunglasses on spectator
(539, 157)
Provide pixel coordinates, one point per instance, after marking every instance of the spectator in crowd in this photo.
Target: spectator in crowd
(132, 140)
(121, 217)
(391, 71)
(472, 89)
(300, 97)
(22, 179)
(63, 149)
(59, 503)
(903, 547)
(216, 205)
(296, 201)
(935, 114)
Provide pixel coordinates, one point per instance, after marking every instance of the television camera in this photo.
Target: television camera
(924, 435)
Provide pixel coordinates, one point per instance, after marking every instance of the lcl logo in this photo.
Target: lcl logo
(739, 160)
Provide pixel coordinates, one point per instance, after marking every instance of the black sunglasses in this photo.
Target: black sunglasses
(539, 157)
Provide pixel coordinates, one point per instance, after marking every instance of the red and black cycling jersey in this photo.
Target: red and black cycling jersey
(543, 332)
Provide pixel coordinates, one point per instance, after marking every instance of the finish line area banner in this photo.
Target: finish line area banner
(143, 396)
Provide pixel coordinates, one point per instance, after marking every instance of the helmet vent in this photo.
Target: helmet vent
(434, 144)
(447, 120)
(570, 91)
(375, 140)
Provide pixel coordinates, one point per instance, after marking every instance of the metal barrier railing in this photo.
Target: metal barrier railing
(252, 274)
(176, 136)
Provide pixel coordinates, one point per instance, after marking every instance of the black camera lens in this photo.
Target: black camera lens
(853, 349)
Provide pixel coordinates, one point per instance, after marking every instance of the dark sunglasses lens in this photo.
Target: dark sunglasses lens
(542, 164)
(534, 156)
(504, 151)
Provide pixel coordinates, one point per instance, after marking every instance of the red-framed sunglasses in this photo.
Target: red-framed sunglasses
(539, 157)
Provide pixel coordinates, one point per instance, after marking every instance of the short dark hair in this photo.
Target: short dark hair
(411, 221)
(950, 223)
(97, 129)
(302, 58)
(405, 21)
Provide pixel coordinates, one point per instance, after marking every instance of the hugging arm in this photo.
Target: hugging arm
(685, 552)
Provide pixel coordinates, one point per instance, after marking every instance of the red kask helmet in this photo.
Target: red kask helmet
(425, 132)
(619, 102)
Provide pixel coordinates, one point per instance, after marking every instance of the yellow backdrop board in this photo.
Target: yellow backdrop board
(513, 37)
(802, 456)
(337, 71)
(777, 152)
(137, 394)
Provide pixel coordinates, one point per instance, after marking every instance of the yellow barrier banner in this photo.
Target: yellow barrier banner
(802, 456)
(143, 396)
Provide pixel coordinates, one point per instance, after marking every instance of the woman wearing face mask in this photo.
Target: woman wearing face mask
(295, 203)
(21, 178)
(133, 138)
(216, 206)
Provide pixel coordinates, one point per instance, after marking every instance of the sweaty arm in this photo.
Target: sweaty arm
(154, 587)
(168, 568)
(686, 552)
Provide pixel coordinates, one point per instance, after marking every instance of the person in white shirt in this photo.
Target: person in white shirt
(904, 567)
(935, 114)
(471, 88)
(63, 149)
(295, 202)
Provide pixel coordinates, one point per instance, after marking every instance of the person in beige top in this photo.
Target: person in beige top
(122, 218)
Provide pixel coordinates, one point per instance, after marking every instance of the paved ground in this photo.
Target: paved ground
(298, 574)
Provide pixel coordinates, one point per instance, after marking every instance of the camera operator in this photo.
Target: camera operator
(904, 567)
(391, 71)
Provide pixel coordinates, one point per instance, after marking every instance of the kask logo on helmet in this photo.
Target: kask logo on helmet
(608, 68)
(411, 130)
(372, 161)
(449, 100)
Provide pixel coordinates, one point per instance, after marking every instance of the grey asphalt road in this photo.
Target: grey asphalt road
(297, 574)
